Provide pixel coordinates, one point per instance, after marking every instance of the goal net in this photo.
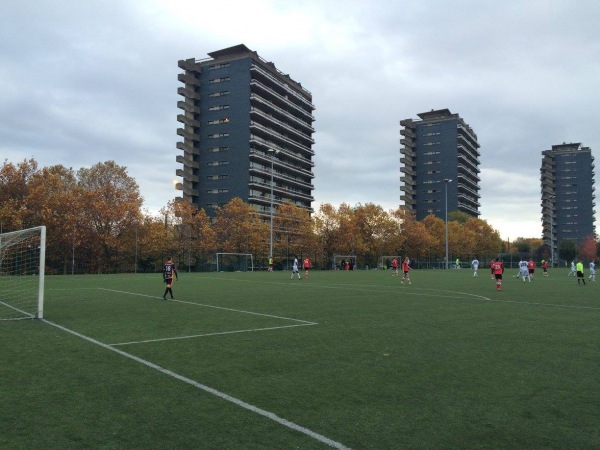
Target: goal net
(385, 262)
(234, 262)
(22, 262)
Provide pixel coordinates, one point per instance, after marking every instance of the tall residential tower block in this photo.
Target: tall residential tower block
(439, 163)
(567, 178)
(247, 132)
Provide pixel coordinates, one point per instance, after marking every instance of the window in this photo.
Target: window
(218, 107)
(218, 121)
(217, 191)
(217, 135)
(218, 80)
(217, 163)
(218, 66)
(218, 94)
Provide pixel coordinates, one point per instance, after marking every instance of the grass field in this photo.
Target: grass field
(343, 359)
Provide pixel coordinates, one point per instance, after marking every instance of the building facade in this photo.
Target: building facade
(247, 132)
(567, 179)
(439, 161)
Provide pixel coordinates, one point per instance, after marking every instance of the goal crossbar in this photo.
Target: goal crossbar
(219, 259)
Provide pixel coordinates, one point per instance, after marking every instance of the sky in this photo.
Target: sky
(83, 82)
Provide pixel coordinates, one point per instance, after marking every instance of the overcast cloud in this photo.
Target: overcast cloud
(83, 82)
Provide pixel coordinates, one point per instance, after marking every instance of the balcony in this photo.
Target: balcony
(188, 135)
(282, 125)
(188, 93)
(189, 107)
(188, 79)
(187, 148)
(188, 65)
(279, 137)
(187, 175)
(187, 162)
(282, 85)
(188, 121)
(281, 99)
(270, 105)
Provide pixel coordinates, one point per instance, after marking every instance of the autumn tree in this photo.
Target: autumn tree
(567, 250)
(112, 212)
(374, 228)
(436, 228)
(587, 248)
(14, 191)
(239, 229)
(293, 232)
(327, 229)
(194, 235)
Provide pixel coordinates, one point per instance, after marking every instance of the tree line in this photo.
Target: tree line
(96, 223)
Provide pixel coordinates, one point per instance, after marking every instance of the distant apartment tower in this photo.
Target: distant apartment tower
(245, 124)
(567, 178)
(436, 149)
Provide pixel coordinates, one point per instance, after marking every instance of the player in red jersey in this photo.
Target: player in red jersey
(498, 269)
(394, 267)
(306, 264)
(531, 268)
(405, 269)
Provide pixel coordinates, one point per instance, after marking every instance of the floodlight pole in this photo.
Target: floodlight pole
(446, 181)
(552, 198)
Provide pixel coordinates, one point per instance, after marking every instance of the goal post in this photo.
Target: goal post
(385, 262)
(22, 266)
(234, 262)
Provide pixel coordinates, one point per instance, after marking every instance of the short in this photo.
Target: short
(169, 281)
(498, 276)
(579, 274)
(306, 267)
(531, 271)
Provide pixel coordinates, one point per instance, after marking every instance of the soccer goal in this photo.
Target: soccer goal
(340, 260)
(22, 263)
(234, 262)
(385, 262)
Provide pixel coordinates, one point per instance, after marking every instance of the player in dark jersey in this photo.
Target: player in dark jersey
(168, 271)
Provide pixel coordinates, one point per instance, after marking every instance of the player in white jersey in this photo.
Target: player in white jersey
(592, 271)
(295, 268)
(523, 270)
(573, 271)
(475, 266)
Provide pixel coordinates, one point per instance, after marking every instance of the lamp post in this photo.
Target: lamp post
(446, 181)
(552, 197)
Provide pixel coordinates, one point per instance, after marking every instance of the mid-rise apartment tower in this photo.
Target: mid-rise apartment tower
(567, 178)
(247, 132)
(439, 160)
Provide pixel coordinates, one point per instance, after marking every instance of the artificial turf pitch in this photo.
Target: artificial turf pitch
(343, 359)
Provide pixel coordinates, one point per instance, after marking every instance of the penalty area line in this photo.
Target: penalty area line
(262, 412)
(214, 334)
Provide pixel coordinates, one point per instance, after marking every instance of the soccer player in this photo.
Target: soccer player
(592, 270)
(498, 268)
(573, 269)
(545, 267)
(579, 269)
(394, 267)
(306, 265)
(531, 268)
(168, 271)
(475, 266)
(405, 269)
(295, 268)
(270, 264)
(524, 271)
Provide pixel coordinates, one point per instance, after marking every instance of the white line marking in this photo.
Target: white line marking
(215, 307)
(214, 334)
(229, 398)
